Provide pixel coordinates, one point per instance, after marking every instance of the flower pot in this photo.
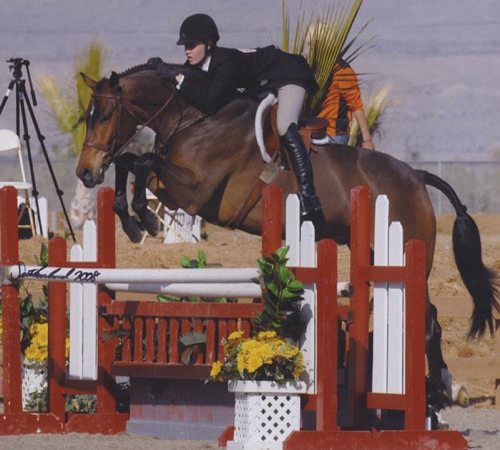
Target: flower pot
(34, 378)
(265, 413)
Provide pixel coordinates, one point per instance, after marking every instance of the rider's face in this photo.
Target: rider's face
(195, 53)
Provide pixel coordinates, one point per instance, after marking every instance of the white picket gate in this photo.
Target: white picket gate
(388, 306)
(83, 312)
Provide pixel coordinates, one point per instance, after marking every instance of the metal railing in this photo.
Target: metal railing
(477, 183)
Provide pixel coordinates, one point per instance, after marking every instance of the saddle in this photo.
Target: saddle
(312, 131)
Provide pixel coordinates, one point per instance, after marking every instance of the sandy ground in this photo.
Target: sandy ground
(471, 363)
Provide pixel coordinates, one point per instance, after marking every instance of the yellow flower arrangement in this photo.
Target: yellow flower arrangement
(265, 357)
(37, 350)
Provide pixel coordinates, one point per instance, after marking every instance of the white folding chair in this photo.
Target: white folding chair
(9, 142)
(178, 226)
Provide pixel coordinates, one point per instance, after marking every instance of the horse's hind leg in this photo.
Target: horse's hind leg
(439, 380)
(123, 165)
(143, 166)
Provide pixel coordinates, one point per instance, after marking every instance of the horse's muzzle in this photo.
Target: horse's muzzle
(88, 178)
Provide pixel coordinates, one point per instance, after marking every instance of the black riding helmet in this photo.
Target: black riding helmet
(198, 28)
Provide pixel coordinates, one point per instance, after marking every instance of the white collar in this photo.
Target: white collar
(206, 63)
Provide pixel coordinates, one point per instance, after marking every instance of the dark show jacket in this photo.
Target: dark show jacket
(262, 69)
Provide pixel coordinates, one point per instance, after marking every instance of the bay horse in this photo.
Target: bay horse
(206, 165)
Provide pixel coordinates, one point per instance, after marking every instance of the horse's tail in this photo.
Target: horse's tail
(481, 282)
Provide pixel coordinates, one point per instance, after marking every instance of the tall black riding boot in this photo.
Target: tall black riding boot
(309, 201)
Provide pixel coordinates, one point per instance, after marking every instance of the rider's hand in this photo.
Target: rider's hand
(166, 73)
(155, 61)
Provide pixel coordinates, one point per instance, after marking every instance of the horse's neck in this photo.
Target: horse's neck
(206, 158)
(199, 137)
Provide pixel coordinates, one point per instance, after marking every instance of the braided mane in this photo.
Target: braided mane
(135, 69)
(140, 67)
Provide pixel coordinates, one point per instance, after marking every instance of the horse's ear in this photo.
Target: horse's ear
(88, 81)
(113, 80)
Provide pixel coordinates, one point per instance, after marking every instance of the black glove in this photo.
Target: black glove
(166, 73)
(155, 61)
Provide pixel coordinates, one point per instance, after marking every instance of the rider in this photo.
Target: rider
(256, 70)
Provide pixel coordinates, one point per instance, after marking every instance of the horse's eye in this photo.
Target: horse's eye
(105, 118)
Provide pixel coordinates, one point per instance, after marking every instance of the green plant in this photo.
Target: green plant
(33, 313)
(81, 403)
(38, 402)
(200, 262)
(281, 295)
(191, 345)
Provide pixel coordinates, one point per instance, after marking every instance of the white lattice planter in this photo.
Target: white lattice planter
(265, 414)
(34, 378)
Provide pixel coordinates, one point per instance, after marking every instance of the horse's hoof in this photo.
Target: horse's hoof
(150, 223)
(437, 422)
(460, 396)
(134, 236)
(133, 231)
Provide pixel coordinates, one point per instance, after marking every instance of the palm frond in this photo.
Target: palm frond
(375, 107)
(61, 106)
(349, 54)
(68, 104)
(90, 63)
(321, 39)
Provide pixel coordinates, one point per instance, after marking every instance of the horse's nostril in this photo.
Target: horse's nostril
(86, 176)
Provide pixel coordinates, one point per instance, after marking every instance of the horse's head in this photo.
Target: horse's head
(108, 129)
(118, 105)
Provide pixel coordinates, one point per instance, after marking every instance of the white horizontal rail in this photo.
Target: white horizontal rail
(206, 289)
(101, 276)
(251, 290)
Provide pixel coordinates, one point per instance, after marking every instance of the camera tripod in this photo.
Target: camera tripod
(23, 101)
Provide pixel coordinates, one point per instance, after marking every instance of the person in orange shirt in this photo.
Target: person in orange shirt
(342, 102)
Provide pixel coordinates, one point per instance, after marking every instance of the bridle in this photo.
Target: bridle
(111, 148)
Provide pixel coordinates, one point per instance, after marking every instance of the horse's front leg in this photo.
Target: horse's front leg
(123, 165)
(143, 166)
